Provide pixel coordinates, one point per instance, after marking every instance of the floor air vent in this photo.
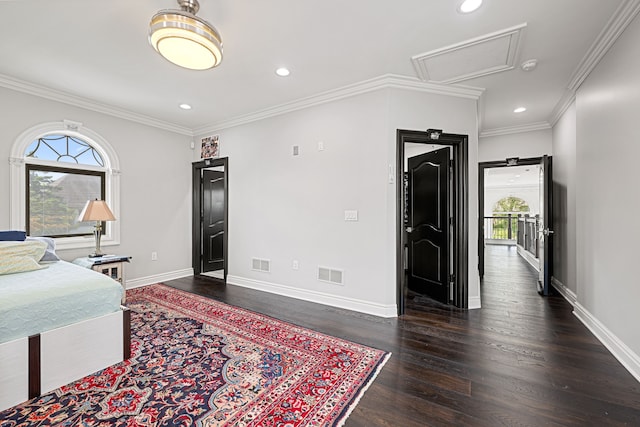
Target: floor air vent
(261, 265)
(330, 275)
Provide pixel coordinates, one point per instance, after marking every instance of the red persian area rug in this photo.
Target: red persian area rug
(196, 361)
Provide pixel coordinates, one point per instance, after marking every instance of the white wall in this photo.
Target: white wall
(155, 181)
(564, 199)
(607, 196)
(523, 145)
(284, 207)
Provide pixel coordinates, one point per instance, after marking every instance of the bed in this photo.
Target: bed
(58, 323)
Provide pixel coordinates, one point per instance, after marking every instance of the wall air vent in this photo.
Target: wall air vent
(330, 275)
(263, 265)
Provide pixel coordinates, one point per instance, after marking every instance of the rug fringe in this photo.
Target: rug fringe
(356, 400)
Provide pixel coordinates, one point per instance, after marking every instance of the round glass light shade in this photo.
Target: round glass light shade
(185, 39)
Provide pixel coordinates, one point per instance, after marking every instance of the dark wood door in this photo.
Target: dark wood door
(545, 227)
(428, 228)
(213, 224)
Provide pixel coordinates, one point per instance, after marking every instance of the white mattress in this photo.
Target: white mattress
(59, 295)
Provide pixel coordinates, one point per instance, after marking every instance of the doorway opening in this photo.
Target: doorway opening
(439, 236)
(514, 201)
(210, 218)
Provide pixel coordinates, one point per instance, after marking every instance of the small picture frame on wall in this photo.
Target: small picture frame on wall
(210, 147)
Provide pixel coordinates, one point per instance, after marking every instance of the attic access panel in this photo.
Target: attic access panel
(481, 56)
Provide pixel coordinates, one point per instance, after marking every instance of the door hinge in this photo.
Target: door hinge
(451, 221)
(452, 279)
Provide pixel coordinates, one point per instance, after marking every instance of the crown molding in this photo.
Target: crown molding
(382, 82)
(509, 130)
(620, 20)
(565, 102)
(623, 16)
(77, 101)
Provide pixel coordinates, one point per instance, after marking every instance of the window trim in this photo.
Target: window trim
(29, 166)
(17, 179)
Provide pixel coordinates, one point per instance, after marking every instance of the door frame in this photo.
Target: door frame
(515, 161)
(459, 144)
(196, 222)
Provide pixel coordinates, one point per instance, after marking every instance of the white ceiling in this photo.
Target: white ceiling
(516, 176)
(98, 50)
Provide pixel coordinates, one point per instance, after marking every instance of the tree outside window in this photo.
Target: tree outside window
(502, 209)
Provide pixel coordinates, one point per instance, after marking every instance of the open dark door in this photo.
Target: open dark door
(428, 224)
(213, 226)
(545, 227)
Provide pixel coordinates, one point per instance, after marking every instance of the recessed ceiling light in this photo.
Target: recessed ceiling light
(185, 106)
(468, 6)
(283, 72)
(520, 110)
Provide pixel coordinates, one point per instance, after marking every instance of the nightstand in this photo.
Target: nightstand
(111, 265)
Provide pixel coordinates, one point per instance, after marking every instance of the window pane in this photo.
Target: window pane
(56, 198)
(64, 148)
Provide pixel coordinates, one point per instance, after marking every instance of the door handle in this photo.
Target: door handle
(408, 229)
(547, 232)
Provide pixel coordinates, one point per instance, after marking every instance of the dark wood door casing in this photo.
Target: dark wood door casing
(197, 213)
(460, 197)
(529, 161)
(213, 224)
(546, 226)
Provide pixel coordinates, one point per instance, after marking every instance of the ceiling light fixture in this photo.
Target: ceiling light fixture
(283, 72)
(185, 106)
(468, 6)
(184, 39)
(520, 110)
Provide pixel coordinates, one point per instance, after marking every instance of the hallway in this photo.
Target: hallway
(510, 282)
(554, 360)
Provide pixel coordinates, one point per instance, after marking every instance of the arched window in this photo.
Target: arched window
(510, 204)
(56, 168)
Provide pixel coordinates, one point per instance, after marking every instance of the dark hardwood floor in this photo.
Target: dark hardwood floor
(521, 360)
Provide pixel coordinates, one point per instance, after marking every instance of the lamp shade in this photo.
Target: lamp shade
(186, 40)
(96, 210)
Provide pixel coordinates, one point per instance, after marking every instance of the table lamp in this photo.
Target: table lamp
(98, 211)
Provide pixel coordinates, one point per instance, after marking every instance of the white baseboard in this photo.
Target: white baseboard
(474, 303)
(528, 256)
(629, 359)
(156, 278)
(567, 293)
(620, 351)
(380, 310)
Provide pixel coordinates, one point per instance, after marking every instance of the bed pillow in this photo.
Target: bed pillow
(19, 257)
(50, 252)
(12, 235)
